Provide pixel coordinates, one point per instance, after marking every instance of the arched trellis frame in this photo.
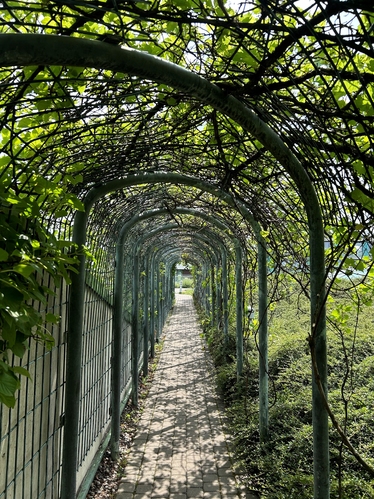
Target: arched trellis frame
(77, 302)
(262, 300)
(135, 313)
(196, 237)
(239, 301)
(150, 255)
(194, 233)
(51, 50)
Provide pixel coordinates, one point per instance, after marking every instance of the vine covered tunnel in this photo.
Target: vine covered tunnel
(234, 136)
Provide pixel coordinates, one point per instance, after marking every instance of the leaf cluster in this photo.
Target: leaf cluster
(28, 253)
(283, 466)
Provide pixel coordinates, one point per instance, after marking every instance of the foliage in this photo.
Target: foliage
(283, 466)
(187, 283)
(28, 252)
(306, 70)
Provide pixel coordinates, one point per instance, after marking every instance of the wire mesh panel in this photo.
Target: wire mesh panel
(96, 381)
(31, 433)
(126, 327)
(126, 356)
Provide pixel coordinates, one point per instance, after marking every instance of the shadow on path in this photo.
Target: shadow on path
(180, 449)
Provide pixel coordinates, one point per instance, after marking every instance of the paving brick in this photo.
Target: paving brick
(195, 492)
(212, 495)
(180, 449)
(126, 487)
(124, 495)
(144, 488)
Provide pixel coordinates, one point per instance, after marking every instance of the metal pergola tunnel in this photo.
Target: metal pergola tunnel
(235, 137)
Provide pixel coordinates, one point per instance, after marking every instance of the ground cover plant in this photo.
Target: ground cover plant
(283, 466)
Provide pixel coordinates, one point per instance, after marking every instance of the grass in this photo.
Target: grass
(185, 291)
(283, 468)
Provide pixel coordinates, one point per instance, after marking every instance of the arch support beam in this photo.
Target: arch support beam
(239, 309)
(263, 344)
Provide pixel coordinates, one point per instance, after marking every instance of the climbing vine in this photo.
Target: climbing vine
(28, 252)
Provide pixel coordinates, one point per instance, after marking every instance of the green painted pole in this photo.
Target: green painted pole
(135, 332)
(263, 343)
(158, 301)
(146, 319)
(73, 364)
(213, 297)
(207, 288)
(170, 284)
(239, 310)
(319, 353)
(117, 354)
(167, 289)
(173, 284)
(225, 301)
(218, 292)
(152, 306)
(161, 300)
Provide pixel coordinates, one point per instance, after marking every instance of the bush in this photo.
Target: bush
(187, 283)
(283, 467)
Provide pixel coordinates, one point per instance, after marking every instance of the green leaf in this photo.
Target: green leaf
(9, 401)
(3, 366)
(9, 331)
(35, 244)
(21, 370)
(12, 297)
(25, 123)
(4, 161)
(61, 213)
(24, 269)
(37, 294)
(9, 384)
(171, 101)
(360, 265)
(4, 255)
(76, 203)
(19, 349)
(74, 180)
(44, 104)
(52, 318)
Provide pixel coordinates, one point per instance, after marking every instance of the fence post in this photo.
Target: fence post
(135, 331)
(73, 364)
(225, 298)
(152, 306)
(117, 353)
(146, 318)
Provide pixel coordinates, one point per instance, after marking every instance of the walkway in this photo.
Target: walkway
(180, 449)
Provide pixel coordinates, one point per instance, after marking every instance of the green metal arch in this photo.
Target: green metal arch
(34, 49)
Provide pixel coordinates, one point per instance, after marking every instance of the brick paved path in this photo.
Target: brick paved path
(180, 449)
